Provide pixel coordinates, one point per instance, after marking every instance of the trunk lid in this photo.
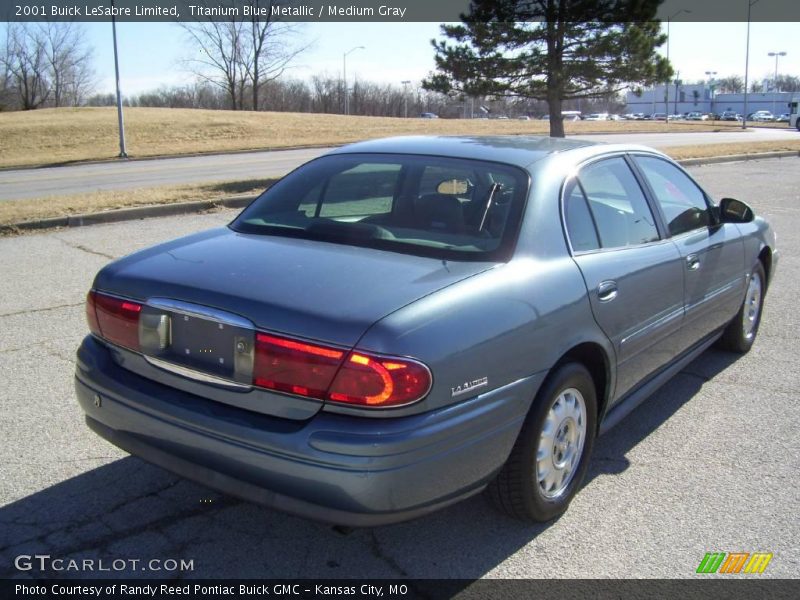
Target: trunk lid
(313, 290)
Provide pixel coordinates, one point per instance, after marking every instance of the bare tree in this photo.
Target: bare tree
(733, 84)
(46, 64)
(25, 63)
(69, 62)
(241, 56)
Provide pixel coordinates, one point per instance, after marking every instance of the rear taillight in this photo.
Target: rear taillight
(322, 372)
(114, 319)
(376, 381)
(294, 367)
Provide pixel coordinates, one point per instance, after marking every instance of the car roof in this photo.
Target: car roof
(519, 150)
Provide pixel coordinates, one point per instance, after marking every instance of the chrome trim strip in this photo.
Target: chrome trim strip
(654, 326)
(196, 375)
(714, 293)
(202, 312)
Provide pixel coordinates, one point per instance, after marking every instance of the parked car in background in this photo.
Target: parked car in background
(730, 115)
(763, 116)
(696, 116)
(403, 323)
(659, 116)
(428, 115)
(524, 118)
(676, 117)
(596, 117)
(784, 118)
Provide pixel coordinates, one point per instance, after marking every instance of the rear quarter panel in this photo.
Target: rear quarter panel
(504, 324)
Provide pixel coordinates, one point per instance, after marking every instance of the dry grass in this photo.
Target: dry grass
(707, 150)
(63, 135)
(17, 211)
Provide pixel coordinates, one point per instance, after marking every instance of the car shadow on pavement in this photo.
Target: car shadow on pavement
(129, 510)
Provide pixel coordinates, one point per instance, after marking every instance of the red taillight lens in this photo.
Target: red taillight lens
(91, 314)
(117, 320)
(379, 382)
(293, 366)
(322, 372)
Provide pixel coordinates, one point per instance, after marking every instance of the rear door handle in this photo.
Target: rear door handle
(607, 291)
(692, 262)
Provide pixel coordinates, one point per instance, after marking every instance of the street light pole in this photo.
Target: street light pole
(750, 4)
(666, 86)
(712, 85)
(122, 150)
(775, 80)
(344, 76)
(405, 83)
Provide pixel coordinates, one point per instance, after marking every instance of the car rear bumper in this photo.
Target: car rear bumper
(334, 468)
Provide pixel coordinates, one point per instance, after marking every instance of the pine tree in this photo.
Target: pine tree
(551, 50)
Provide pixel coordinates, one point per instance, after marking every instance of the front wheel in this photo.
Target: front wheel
(741, 332)
(550, 457)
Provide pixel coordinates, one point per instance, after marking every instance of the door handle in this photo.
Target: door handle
(692, 262)
(607, 291)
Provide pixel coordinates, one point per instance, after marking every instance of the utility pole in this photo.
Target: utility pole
(750, 4)
(344, 76)
(775, 80)
(122, 150)
(405, 83)
(666, 85)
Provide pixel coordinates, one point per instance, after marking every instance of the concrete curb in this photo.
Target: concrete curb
(693, 162)
(128, 214)
(182, 208)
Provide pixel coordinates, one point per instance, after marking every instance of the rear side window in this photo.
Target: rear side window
(580, 225)
(617, 204)
(683, 203)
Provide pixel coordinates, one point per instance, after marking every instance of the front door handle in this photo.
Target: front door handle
(692, 262)
(607, 291)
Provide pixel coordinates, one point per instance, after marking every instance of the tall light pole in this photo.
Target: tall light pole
(405, 83)
(666, 86)
(775, 81)
(344, 76)
(712, 85)
(122, 151)
(750, 4)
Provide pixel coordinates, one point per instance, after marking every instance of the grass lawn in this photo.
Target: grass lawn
(64, 135)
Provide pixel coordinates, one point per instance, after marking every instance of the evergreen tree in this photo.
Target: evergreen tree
(551, 50)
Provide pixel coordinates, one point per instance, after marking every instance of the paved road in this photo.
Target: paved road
(711, 462)
(77, 179)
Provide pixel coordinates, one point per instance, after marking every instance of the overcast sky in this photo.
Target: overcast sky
(151, 53)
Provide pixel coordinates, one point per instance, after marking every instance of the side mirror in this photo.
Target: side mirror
(734, 211)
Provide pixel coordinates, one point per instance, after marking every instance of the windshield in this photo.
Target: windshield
(446, 208)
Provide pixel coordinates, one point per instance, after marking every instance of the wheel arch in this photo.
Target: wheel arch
(765, 257)
(594, 357)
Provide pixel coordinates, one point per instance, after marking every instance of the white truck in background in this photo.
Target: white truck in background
(794, 113)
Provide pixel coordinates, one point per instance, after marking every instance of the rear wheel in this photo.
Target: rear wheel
(741, 332)
(550, 457)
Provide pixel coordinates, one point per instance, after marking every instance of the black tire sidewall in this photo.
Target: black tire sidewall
(570, 375)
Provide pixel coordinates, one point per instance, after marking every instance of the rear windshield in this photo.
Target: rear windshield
(446, 208)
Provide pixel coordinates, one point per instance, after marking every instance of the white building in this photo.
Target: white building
(698, 97)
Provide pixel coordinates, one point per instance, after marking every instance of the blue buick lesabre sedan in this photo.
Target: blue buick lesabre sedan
(403, 323)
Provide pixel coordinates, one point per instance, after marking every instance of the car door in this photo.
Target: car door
(713, 253)
(633, 275)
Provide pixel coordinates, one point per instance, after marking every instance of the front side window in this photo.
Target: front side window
(433, 206)
(683, 203)
(617, 204)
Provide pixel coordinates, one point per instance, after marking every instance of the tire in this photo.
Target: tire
(565, 409)
(741, 332)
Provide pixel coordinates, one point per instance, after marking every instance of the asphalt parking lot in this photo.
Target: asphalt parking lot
(710, 463)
